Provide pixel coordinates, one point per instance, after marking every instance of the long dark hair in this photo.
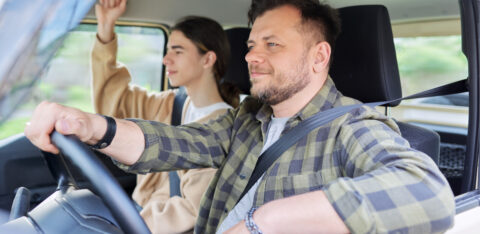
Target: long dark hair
(208, 35)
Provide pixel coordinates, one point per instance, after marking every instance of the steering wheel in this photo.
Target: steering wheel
(103, 182)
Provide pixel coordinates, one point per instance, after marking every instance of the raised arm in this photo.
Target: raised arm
(113, 95)
(107, 12)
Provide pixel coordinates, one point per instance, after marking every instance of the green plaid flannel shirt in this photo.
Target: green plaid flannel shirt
(371, 176)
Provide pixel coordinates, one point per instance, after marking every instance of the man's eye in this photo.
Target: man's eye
(272, 44)
(249, 48)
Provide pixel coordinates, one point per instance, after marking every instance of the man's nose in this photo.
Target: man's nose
(254, 56)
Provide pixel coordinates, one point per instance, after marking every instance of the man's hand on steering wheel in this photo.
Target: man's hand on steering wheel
(89, 128)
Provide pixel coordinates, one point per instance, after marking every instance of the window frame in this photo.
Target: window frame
(166, 30)
(429, 28)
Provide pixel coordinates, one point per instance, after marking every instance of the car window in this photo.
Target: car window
(430, 61)
(427, 62)
(67, 80)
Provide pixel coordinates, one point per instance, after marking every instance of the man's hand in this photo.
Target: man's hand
(107, 12)
(48, 116)
(127, 145)
(305, 213)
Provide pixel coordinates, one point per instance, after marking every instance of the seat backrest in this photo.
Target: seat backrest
(237, 72)
(364, 62)
(364, 66)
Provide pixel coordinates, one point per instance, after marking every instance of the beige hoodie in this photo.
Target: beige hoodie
(114, 96)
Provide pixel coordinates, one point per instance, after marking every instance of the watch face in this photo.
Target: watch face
(103, 145)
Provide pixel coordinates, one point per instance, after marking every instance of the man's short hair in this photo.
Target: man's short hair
(319, 18)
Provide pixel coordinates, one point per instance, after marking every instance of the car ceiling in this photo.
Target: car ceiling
(233, 12)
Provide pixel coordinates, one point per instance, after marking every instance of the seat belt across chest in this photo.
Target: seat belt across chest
(270, 155)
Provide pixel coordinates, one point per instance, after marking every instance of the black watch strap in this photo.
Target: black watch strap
(108, 137)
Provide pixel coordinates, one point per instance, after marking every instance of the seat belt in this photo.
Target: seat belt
(178, 103)
(269, 156)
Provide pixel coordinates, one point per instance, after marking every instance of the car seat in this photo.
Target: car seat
(237, 72)
(364, 66)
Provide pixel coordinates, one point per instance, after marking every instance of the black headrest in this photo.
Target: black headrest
(364, 62)
(237, 72)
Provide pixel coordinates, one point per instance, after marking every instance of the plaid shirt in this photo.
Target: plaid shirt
(373, 179)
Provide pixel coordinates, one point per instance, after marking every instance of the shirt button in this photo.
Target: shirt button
(242, 176)
(225, 210)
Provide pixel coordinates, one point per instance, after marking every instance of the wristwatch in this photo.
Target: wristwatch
(109, 134)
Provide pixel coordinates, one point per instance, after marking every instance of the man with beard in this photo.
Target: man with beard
(354, 174)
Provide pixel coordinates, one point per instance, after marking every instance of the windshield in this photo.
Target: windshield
(30, 34)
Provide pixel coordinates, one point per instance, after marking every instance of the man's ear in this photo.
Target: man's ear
(322, 53)
(209, 59)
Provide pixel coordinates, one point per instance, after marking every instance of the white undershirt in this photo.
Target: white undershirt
(194, 113)
(240, 210)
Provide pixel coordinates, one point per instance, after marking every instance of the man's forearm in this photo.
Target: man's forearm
(305, 213)
(128, 144)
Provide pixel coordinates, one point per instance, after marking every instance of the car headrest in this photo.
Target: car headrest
(364, 64)
(237, 72)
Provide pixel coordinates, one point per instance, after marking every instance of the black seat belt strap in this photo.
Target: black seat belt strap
(173, 178)
(177, 109)
(270, 155)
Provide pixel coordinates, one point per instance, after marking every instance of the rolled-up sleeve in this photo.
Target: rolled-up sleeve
(388, 187)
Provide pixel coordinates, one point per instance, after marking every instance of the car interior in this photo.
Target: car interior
(364, 67)
(374, 67)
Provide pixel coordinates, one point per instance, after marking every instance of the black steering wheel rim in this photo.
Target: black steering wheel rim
(108, 189)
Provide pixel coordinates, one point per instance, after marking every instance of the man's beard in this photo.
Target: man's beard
(290, 84)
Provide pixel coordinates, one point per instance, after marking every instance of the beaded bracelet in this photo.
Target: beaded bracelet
(251, 226)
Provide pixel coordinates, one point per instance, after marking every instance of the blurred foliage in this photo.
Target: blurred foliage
(134, 41)
(67, 81)
(80, 98)
(46, 90)
(12, 127)
(427, 62)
